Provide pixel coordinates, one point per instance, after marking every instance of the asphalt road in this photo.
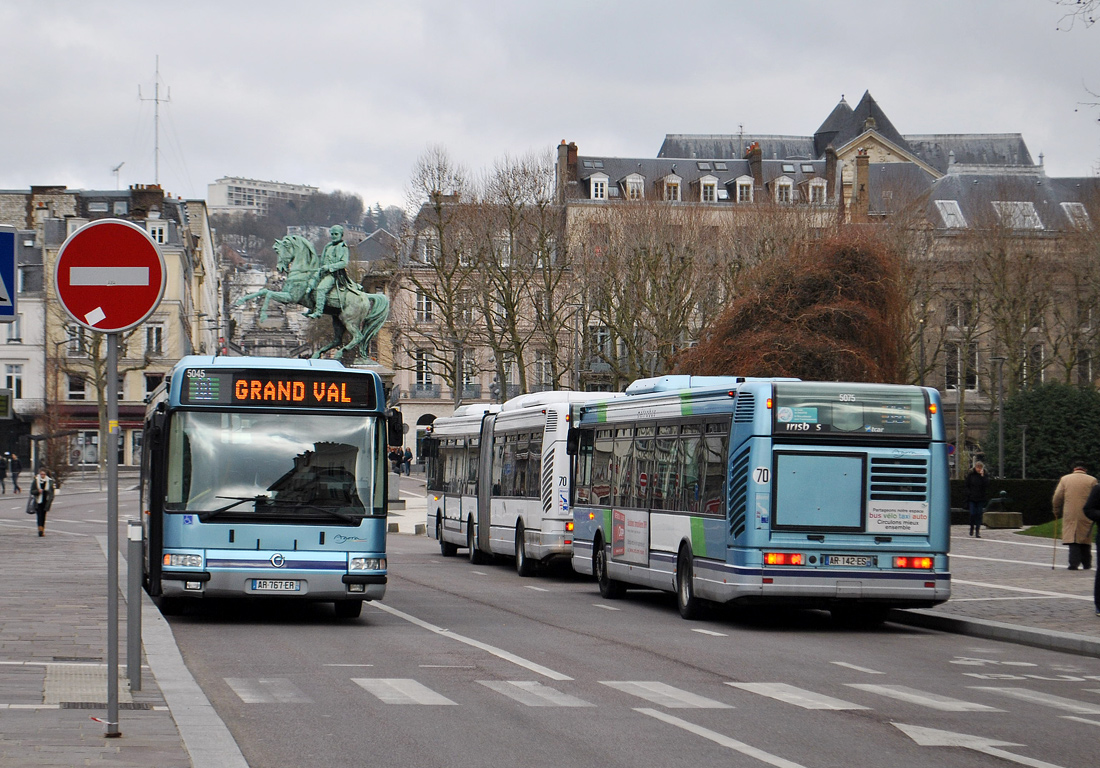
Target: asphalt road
(473, 666)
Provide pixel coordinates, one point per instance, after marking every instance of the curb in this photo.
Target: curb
(1052, 640)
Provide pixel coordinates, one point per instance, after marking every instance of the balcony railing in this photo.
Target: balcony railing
(471, 391)
(423, 391)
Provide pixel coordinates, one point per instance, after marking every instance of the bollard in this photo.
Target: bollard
(134, 556)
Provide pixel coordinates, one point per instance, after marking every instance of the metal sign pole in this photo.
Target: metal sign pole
(112, 535)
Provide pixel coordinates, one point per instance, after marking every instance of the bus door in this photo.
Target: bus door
(483, 512)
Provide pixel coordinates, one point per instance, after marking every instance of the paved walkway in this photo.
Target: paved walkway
(53, 629)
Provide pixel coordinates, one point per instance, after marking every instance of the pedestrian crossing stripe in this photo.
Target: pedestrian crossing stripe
(797, 696)
(664, 695)
(924, 699)
(392, 690)
(533, 694)
(267, 691)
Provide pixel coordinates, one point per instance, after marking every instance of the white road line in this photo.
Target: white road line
(447, 666)
(1046, 699)
(995, 599)
(664, 695)
(532, 694)
(538, 669)
(1022, 590)
(537, 589)
(49, 531)
(710, 632)
(856, 668)
(606, 607)
(797, 696)
(924, 699)
(402, 691)
(349, 665)
(1081, 720)
(720, 739)
(267, 691)
(1002, 560)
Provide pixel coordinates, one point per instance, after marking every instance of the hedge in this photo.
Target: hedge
(1030, 497)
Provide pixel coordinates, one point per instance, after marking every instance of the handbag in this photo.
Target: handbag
(30, 504)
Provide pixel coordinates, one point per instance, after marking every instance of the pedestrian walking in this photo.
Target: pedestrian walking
(977, 492)
(1069, 504)
(1092, 512)
(15, 467)
(42, 490)
(406, 461)
(4, 472)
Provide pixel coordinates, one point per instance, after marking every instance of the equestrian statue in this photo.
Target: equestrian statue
(322, 285)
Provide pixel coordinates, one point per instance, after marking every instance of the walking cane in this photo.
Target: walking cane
(1054, 541)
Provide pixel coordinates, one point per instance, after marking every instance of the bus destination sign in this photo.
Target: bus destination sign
(293, 389)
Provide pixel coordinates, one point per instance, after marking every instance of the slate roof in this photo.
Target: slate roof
(971, 149)
(975, 194)
(722, 146)
(856, 124)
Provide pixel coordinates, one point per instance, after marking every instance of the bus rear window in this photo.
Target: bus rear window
(809, 409)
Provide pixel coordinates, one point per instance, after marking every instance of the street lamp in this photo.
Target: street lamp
(1000, 361)
(958, 448)
(1023, 451)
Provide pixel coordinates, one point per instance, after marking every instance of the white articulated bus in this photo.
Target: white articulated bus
(499, 479)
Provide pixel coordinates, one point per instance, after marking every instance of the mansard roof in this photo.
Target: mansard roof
(732, 146)
(1005, 149)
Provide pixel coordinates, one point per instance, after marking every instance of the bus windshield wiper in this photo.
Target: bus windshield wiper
(204, 516)
(347, 518)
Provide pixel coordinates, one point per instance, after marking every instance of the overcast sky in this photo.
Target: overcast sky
(346, 95)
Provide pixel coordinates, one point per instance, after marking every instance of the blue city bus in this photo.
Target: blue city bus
(263, 477)
(767, 491)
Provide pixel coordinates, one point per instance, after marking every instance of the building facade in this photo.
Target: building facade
(232, 194)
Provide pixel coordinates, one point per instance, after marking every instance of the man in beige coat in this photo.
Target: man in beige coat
(1069, 503)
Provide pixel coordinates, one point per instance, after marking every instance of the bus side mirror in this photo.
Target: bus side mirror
(572, 441)
(395, 427)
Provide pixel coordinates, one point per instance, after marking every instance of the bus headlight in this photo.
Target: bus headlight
(183, 561)
(367, 564)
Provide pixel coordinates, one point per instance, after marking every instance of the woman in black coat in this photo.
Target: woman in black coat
(977, 488)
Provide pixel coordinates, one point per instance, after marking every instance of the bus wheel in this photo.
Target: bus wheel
(446, 548)
(610, 588)
(170, 606)
(524, 567)
(471, 543)
(686, 600)
(348, 609)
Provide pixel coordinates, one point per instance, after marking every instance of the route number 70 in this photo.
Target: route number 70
(761, 475)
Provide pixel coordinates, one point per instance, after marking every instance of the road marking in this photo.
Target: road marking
(1081, 720)
(1002, 560)
(538, 669)
(537, 589)
(606, 607)
(664, 695)
(924, 699)
(49, 531)
(1022, 590)
(447, 666)
(275, 690)
(797, 696)
(856, 668)
(720, 739)
(932, 737)
(478, 573)
(532, 694)
(349, 665)
(710, 632)
(1046, 699)
(393, 690)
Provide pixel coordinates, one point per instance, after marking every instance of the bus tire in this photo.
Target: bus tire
(446, 548)
(476, 558)
(689, 605)
(524, 567)
(610, 589)
(348, 609)
(170, 606)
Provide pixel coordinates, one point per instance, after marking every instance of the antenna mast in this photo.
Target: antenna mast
(156, 120)
(115, 171)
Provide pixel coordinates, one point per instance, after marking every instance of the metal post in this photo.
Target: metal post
(112, 535)
(133, 603)
(921, 323)
(958, 448)
(1000, 361)
(459, 378)
(1023, 452)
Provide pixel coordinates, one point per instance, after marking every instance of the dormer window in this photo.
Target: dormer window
(1077, 215)
(634, 186)
(744, 189)
(708, 189)
(818, 188)
(784, 189)
(597, 186)
(671, 185)
(951, 214)
(158, 230)
(1017, 215)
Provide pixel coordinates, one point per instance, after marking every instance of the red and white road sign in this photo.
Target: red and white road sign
(110, 275)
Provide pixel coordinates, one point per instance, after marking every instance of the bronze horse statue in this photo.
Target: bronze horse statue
(351, 308)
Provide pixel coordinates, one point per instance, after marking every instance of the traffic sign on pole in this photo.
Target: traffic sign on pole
(110, 275)
(8, 287)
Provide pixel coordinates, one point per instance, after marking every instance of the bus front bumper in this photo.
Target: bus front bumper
(308, 585)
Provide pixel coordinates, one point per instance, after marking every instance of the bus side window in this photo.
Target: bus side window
(583, 480)
(472, 451)
(715, 461)
(498, 465)
(508, 467)
(666, 494)
(643, 466)
(623, 481)
(534, 466)
(602, 451)
(691, 486)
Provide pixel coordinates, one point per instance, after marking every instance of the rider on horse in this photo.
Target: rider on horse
(332, 273)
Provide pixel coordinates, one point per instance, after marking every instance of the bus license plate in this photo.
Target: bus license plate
(271, 585)
(859, 561)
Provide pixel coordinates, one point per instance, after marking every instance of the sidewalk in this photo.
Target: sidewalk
(53, 631)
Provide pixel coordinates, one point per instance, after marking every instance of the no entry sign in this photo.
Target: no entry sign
(110, 275)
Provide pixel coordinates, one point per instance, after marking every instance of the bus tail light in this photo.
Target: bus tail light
(932, 408)
(569, 526)
(783, 558)
(591, 515)
(918, 563)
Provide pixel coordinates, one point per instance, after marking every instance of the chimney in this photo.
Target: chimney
(861, 195)
(830, 172)
(756, 165)
(560, 172)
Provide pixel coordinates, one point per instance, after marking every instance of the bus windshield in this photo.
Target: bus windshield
(810, 409)
(269, 467)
